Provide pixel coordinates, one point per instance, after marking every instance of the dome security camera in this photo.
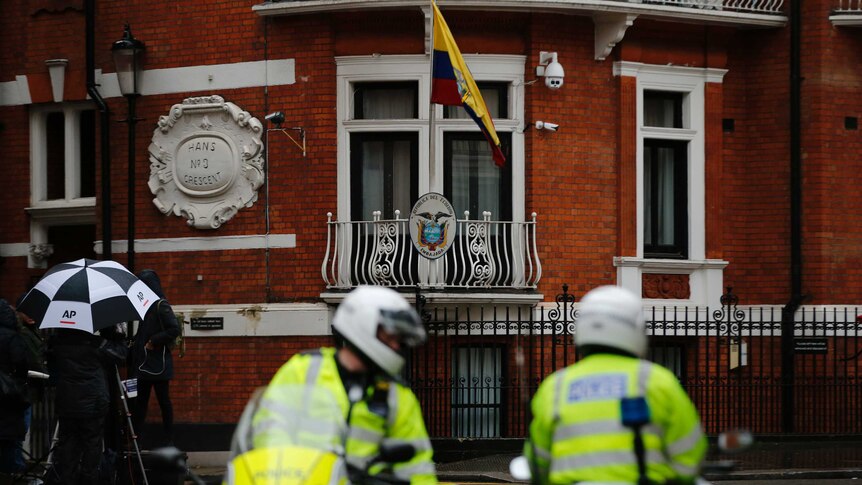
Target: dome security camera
(554, 75)
(551, 69)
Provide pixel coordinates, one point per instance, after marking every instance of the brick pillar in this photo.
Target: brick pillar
(628, 167)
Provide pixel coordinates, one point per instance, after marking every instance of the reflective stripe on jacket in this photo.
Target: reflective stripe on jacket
(577, 433)
(403, 422)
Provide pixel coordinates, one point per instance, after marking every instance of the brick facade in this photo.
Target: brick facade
(581, 181)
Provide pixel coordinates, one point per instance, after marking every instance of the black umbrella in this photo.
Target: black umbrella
(87, 295)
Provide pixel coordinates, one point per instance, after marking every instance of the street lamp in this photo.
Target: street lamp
(127, 59)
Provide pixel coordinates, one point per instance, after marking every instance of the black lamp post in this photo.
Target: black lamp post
(127, 59)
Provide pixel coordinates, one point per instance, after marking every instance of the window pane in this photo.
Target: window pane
(383, 173)
(88, 153)
(382, 101)
(664, 196)
(473, 182)
(401, 178)
(669, 356)
(372, 178)
(71, 243)
(55, 132)
(663, 109)
(665, 199)
(496, 100)
(476, 395)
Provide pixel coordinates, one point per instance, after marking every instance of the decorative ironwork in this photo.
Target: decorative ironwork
(512, 351)
(749, 6)
(728, 317)
(849, 6)
(485, 254)
(424, 314)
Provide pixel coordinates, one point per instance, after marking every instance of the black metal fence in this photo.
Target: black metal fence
(479, 369)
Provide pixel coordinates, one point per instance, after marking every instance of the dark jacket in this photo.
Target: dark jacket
(160, 327)
(13, 361)
(80, 366)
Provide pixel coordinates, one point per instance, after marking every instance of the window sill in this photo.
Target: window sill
(64, 212)
(650, 265)
(705, 278)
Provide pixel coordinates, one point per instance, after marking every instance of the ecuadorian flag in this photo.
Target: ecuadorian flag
(453, 85)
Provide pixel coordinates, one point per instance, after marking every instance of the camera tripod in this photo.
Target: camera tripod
(124, 398)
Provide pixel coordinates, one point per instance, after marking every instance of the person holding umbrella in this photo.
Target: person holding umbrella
(152, 355)
(79, 363)
(82, 302)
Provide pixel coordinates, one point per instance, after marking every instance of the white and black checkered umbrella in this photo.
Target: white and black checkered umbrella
(87, 295)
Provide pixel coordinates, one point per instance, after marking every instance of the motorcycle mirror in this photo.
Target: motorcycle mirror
(395, 452)
(735, 440)
(519, 468)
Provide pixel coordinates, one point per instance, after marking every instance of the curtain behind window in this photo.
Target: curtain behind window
(386, 165)
(475, 179)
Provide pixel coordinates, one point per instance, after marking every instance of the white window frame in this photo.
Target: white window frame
(72, 209)
(380, 68)
(706, 276)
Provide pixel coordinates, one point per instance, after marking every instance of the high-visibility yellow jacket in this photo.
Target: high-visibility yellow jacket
(577, 433)
(399, 421)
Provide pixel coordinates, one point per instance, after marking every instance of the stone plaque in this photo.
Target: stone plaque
(206, 161)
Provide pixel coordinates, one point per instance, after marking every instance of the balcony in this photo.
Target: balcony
(485, 255)
(611, 17)
(848, 13)
(763, 13)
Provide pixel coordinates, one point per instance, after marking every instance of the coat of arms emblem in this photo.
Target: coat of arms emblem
(432, 225)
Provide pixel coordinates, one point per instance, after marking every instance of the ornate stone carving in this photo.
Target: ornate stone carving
(666, 286)
(206, 161)
(41, 252)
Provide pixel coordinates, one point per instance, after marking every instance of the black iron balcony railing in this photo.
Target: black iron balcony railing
(484, 254)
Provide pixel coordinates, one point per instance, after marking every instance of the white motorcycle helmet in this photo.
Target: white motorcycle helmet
(611, 316)
(368, 308)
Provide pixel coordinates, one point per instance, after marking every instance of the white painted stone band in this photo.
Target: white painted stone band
(176, 80)
(220, 243)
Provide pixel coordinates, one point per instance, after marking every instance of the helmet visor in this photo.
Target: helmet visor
(405, 324)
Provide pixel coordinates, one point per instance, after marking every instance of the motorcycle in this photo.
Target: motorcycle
(296, 435)
(728, 442)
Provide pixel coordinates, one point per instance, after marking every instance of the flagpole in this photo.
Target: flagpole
(432, 159)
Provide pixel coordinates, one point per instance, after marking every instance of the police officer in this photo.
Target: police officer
(613, 417)
(376, 325)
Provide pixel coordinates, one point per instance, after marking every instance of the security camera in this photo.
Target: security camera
(544, 125)
(554, 75)
(551, 69)
(276, 117)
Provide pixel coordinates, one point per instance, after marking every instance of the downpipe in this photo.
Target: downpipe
(788, 371)
(105, 120)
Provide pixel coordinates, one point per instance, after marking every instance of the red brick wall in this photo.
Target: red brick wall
(579, 180)
(573, 175)
(831, 72)
(216, 377)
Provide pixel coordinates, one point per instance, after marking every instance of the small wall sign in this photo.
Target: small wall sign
(811, 346)
(432, 225)
(207, 323)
